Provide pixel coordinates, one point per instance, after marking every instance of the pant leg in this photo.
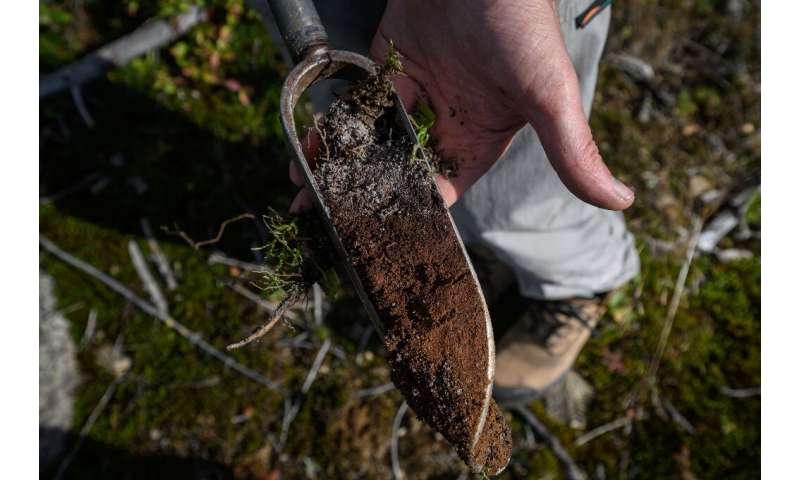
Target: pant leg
(557, 245)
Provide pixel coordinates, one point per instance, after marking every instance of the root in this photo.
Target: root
(279, 312)
(211, 241)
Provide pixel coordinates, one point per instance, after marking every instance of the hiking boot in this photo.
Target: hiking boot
(540, 348)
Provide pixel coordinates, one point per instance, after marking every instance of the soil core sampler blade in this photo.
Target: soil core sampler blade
(456, 385)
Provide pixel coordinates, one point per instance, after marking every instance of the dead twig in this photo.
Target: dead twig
(158, 256)
(148, 281)
(217, 258)
(193, 337)
(77, 98)
(248, 294)
(316, 292)
(678, 417)
(672, 310)
(151, 35)
(292, 408)
(88, 425)
(91, 325)
(677, 294)
(211, 241)
(375, 391)
(602, 430)
(571, 469)
(315, 366)
(397, 472)
(740, 392)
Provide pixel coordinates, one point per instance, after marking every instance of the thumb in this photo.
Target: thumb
(562, 127)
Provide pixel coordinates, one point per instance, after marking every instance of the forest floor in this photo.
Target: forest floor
(189, 136)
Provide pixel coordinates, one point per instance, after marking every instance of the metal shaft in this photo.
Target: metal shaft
(300, 26)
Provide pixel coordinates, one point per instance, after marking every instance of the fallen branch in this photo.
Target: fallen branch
(292, 408)
(151, 35)
(571, 469)
(77, 99)
(677, 294)
(248, 294)
(148, 281)
(397, 472)
(193, 337)
(316, 293)
(158, 256)
(314, 370)
(91, 325)
(602, 430)
(375, 391)
(678, 418)
(217, 258)
(740, 392)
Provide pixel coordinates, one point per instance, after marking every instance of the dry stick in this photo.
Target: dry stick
(678, 418)
(572, 470)
(77, 98)
(672, 310)
(375, 391)
(602, 430)
(193, 337)
(316, 291)
(151, 35)
(677, 294)
(248, 294)
(290, 408)
(397, 472)
(315, 366)
(91, 324)
(197, 245)
(87, 427)
(147, 278)
(740, 392)
(217, 258)
(158, 256)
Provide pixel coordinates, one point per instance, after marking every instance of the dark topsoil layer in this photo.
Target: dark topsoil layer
(395, 228)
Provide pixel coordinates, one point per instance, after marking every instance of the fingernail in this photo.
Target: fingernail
(623, 191)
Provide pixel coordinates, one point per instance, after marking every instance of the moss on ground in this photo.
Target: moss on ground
(189, 136)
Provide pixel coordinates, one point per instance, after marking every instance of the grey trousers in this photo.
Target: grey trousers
(556, 245)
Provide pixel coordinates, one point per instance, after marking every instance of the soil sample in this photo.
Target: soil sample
(395, 228)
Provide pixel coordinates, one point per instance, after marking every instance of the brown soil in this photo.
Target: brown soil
(395, 229)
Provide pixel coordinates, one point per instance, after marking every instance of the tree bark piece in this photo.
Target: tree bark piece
(151, 35)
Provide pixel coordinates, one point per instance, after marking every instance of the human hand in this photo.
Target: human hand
(486, 68)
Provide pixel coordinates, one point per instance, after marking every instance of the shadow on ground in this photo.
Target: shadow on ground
(96, 460)
(141, 160)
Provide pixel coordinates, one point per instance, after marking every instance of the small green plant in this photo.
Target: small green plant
(285, 253)
(299, 256)
(422, 119)
(393, 65)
